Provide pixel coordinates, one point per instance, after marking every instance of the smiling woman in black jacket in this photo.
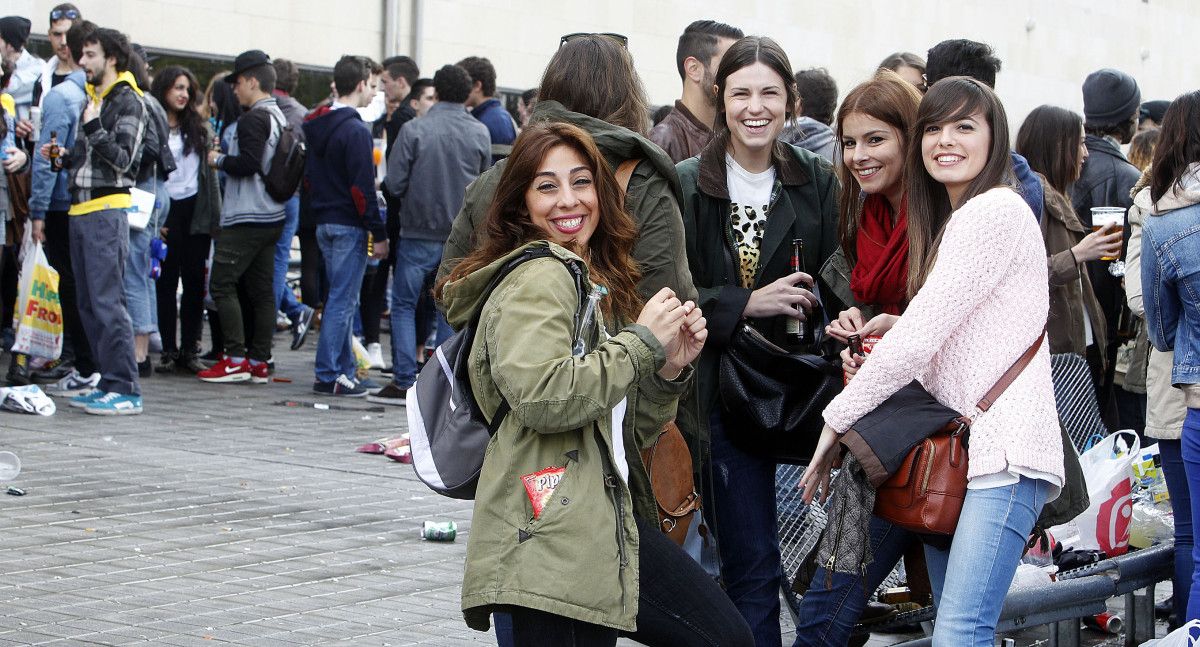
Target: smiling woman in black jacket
(746, 198)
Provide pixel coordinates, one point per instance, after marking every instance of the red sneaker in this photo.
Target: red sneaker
(260, 373)
(226, 371)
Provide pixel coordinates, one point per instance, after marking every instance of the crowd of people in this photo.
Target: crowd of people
(905, 211)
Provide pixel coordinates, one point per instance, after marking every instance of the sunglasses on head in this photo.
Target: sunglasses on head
(59, 14)
(620, 38)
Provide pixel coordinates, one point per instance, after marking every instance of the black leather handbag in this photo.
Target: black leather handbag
(774, 398)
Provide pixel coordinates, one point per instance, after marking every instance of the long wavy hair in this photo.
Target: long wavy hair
(929, 208)
(892, 100)
(508, 226)
(191, 124)
(1178, 145)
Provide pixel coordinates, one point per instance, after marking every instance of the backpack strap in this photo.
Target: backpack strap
(528, 255)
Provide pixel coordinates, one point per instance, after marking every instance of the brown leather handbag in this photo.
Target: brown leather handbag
(925, 495)
(669, 464)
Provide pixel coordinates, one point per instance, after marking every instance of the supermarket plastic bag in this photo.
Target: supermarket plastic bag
(26, 399)
(1186, 636)
(1105, 524)
(38, 316)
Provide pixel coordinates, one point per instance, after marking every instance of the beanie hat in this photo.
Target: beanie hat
(15, 30)
(1109, 97)
(1153, 110)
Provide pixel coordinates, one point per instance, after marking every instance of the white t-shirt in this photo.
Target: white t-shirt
(184, 181)
(749, 198)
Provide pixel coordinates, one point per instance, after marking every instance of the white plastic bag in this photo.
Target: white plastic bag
(26, 399)
(1105, 524)
(1185, 636)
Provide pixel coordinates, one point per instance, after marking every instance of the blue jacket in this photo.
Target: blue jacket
(1171, 281)
(501, 129)
(339, 172)
(1031, 186)
(61, 109)
(434, 159)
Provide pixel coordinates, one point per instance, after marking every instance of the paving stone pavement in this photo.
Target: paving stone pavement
(224, 516)
(220, 516)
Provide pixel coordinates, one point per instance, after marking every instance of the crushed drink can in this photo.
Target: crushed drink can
(1106, 622)
(439, 531)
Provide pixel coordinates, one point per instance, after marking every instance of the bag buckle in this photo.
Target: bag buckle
(668, 524)
(963, 426)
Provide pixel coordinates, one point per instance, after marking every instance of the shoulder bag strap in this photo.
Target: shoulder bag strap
(624, 172)
(1009, 376)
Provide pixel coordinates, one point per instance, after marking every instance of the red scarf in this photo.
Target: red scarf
(880, 278)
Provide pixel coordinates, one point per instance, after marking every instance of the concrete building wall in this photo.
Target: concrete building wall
(1047, 46)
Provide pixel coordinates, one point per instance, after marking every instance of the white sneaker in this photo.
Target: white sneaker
(73, 385)
(375, 355)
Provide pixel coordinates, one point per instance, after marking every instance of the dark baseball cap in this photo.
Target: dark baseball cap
(247, 60)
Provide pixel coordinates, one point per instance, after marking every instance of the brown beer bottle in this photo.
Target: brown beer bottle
(56, 162)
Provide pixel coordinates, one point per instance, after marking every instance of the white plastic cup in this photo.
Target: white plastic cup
(10, 466)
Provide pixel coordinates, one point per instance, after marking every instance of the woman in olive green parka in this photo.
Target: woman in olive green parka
(573, 560)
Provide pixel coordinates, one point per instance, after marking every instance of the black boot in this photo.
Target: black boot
(18, 370)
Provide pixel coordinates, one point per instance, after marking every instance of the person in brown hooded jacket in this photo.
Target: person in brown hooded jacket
(1051, 139)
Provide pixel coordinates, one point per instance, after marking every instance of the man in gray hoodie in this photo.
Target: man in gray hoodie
(431, 164)
(818, 98)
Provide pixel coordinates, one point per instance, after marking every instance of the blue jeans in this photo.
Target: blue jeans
(1190, 442)
(971, 579)
(747, 530)
(285, 299)
(415, 260)
(1181, 506)
(348, 245)
(140, 293)
(828, 614)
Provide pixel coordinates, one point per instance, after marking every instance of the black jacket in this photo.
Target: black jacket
(804, 205)
(1106, 181)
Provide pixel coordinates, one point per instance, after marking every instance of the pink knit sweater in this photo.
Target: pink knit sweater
(985, 301)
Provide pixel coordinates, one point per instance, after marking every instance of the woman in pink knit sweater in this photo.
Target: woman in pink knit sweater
(977, 273)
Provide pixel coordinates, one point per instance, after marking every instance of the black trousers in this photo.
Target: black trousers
(679, 605)
(58, 252)
(186, 255)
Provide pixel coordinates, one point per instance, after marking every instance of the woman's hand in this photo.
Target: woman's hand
(816, 475)
(878, 325)
(663, 314)
(851, 362)
(686, 347)
(782, 297)
(16, 160)
(1098, 244)
(847, 323)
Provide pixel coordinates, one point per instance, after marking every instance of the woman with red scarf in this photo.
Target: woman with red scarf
(870, 271)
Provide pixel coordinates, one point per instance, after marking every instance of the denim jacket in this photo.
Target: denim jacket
(1171, 275)
(61, 109)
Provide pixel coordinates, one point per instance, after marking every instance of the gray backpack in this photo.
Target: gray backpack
(447, 431)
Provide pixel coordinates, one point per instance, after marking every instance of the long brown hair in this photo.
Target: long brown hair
(892, 100)
(594, 75)
(508, 226)
(929, 207)
(1049, 140)
(1178, 145)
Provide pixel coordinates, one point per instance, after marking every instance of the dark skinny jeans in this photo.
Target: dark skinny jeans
(679, 605)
